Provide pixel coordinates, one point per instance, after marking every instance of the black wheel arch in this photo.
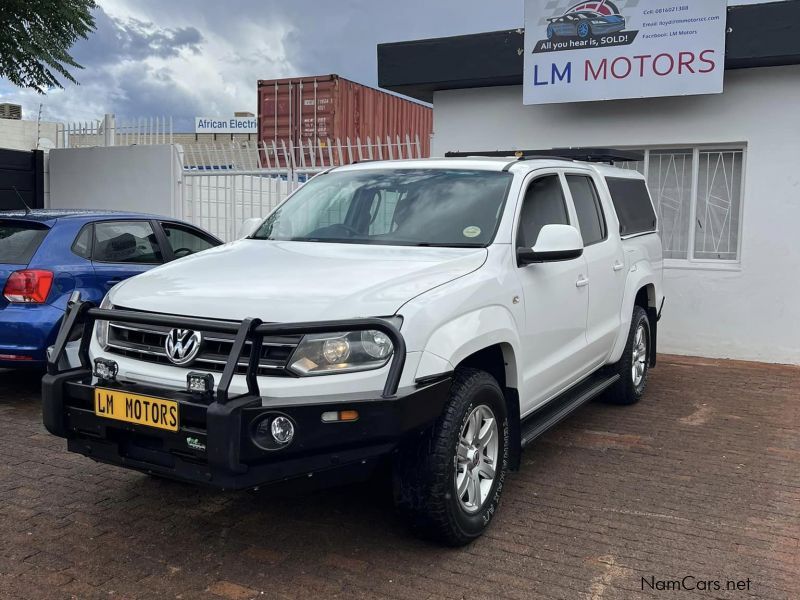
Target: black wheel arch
(646, 298)
(496, 360)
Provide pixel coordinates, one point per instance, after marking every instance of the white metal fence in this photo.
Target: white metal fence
(108, 131)
(302, 155)
(221, 201)
(224, 184)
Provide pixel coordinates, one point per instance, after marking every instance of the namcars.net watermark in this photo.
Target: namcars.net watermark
(691, 583)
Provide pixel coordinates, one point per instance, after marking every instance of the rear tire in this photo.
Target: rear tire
(634, 366)
(448, 482)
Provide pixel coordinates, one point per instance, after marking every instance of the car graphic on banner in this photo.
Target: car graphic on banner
(586, 25)
(586, 19)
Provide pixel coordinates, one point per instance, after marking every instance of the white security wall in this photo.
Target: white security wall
(750, 311)
(131, 178)
(25, 135)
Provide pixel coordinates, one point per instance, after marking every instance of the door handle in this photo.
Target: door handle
(618, 266)
(582, 282)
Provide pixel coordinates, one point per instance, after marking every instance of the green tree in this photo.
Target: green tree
(35, 39)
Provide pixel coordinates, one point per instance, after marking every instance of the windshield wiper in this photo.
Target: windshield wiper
(453, 245)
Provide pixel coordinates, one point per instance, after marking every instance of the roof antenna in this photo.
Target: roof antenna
(21, 199)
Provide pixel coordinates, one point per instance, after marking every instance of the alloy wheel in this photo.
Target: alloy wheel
(639, 363)
(476, 459)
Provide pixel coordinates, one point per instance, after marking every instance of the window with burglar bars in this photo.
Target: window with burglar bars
(698, 196)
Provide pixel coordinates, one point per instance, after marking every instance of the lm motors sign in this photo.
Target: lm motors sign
(604, 49)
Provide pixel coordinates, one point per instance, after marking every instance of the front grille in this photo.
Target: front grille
(147, 344)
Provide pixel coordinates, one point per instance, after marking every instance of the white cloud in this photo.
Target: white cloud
(140, 64)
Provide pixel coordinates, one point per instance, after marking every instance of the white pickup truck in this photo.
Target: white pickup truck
(437, 314)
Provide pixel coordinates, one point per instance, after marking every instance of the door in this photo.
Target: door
(605, 262)
(123, 249)
(555, 300)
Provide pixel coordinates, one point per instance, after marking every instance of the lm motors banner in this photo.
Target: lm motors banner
(605, 50)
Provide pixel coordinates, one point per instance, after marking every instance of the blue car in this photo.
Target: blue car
(584, 24)
(45, 255)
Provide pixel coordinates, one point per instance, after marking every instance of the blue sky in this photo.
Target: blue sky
(183, 58)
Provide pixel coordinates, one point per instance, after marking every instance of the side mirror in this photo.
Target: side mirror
(555, 243)
(248, 227)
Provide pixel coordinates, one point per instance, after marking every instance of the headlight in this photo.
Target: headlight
(101, 327)
(342, 352)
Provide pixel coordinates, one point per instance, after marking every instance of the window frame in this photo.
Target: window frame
(690, 262)
(526, 184)
(156, 231)
(597, 202)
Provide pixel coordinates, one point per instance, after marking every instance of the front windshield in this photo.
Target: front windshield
(402, 207)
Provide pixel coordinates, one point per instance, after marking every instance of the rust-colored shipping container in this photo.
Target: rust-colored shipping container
(331, 107)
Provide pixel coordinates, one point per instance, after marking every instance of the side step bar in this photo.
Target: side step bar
(559, 408)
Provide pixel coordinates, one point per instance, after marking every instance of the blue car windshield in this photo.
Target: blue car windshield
(401, 207)
(19, 241)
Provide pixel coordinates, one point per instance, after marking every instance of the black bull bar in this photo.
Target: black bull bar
(83, 314)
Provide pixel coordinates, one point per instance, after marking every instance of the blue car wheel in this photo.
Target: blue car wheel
(584, 30)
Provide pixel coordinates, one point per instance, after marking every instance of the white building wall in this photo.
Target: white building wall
(750, 311)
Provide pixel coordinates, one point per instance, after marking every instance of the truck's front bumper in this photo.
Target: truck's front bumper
(214, 443)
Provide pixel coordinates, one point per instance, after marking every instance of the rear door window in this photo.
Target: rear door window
(633, 205)
(591, 220)
(126, 242)
(19, 241)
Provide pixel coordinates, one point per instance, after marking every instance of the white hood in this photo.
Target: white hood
(295, 281)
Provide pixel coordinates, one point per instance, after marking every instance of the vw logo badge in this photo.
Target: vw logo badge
(183, 345)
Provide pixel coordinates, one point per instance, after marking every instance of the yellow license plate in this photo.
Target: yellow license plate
(133, 408)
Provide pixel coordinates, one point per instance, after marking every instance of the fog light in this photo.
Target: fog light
(105, 369)
(282, 430)
(272, 431)
(200, 383)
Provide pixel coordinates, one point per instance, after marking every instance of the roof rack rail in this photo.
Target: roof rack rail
(602, 155)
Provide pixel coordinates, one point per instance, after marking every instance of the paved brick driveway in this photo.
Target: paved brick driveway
(701, 479)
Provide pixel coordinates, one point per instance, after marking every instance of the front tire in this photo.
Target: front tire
(634, 366)
(448, 482)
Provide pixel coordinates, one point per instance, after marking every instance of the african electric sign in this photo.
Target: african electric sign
(604, 50)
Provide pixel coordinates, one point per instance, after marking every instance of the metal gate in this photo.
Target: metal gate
(21, 174)
(220, 202)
